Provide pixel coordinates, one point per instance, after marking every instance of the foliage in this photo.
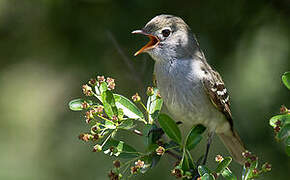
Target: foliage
(108, 113)
(281, 122)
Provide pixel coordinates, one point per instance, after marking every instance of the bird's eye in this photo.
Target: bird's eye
(166, 32)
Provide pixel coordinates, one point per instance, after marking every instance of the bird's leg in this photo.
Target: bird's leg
(209, 139)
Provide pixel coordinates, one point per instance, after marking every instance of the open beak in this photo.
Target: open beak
(151, 44)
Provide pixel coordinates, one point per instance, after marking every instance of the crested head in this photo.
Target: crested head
(170, 38)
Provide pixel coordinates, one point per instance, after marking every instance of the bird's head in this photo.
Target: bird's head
(170, 37)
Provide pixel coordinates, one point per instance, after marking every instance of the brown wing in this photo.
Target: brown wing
(218, 94)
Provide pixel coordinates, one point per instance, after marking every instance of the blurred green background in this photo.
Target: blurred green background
(49, 48)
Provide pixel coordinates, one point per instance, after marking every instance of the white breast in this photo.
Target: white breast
(180, 85)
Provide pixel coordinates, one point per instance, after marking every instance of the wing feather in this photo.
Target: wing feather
(218, 94)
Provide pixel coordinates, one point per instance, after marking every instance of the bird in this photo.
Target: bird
(191, 89)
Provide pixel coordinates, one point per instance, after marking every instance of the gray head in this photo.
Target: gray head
(170, 38)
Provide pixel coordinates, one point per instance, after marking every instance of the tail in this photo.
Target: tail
(235, 146)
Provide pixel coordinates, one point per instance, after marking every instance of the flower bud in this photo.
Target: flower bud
(177, 172)
(114, 176)
(219, 158)
(277, 129)
(283, 110)
(89, 116)
(95, 129)
(247, 164)
(111, 86)
(160, 151)
(85, 137)
(101, 79)
(136, 98)
(97, 148)
(278, 123)
(95, 137)
(114, 118)
(255, 171)
(134, 170)
(266, 167)
(99, 109)
(117, 163)
(85, 105)
(150, 91)
(111, 83)
(254, 158)
(92, 82)
(110, 80)
(246, 154)
(87, 90)
(139, 164)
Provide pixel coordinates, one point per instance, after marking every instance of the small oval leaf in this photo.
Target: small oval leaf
(224, 164)
(120, 148)
(170, 128)
(207, 176)
(194, 136)
(76, 104)
(203, 170)
(284, 118)
(284, 132)
(109, 103)
(228, 175)
(287, 149)
(154, 105)
(126, 124)
(129, 108)
(286, 79)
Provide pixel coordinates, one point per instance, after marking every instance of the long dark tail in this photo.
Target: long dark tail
(235, 146)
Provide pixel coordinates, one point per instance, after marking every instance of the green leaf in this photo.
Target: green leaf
(120, 148)
(194, 136)
(284, 118)
(151, 134)
(274, 119)
(203, 170)
(228, 175)
(103, 87)
(120, 113)
(287, 142)
(110, 125)
(186, 161)
(76, 104)
(129, 108)
(191, 163)
(154, 105)
(109, 103)
(207, 176)
(185, 164)
(284, 132)
(127, 124)
(170, 128)
(286, 79)
(223, 165)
